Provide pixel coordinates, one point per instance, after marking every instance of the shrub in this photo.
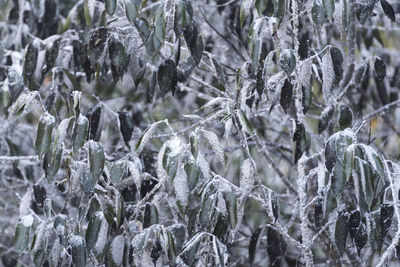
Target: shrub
(199, 133)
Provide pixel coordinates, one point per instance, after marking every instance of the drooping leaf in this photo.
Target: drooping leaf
(119, 59)
(44, 134)
(93, 231)
(361, 237)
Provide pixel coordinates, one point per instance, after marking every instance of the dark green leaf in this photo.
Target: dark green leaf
(126, 125)
(318, 213)
(326, 117)
(341, 232)
(286, 95)
(167, 77)
(299, 141)
(385, 220)
(78, 251)
(388, 9)
(337, 61)
(30, 61)
(380, 68)
(276, 245)
(253, 244)
(95, 122)
(345, 117)
(318, 14)
(354, 222)
(280, 10)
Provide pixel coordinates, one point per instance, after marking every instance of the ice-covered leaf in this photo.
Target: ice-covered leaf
(328, 75)
(245, 9)
(181, 187)
(146, 136)
(379, 69)
(94, 230)
(385, 220)
(286, 95)
(126, 125)
(111, 5)
(329, 6)
(95, 118)
(325, 119)
(318, 13)
(116, 252)
(341, 232)
(21, 104)
(388, 9)
(30, 61)
(86, 179)
(117, 172)
(276, 245)
(131, 10)
(231, 207)
(345, 117)
(354, 222)
(96, 159)
(22, 232)
(300, 142)
(287, 61)
(253, 244)
(78, 251)
(80, 133)
(44, 134)
(337, 61)
(150, 216)
(213, 140)
(167, 77)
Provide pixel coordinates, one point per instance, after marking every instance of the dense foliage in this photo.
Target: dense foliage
(199, 133)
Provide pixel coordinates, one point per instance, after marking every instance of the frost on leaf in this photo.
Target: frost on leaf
(328, 75)
(213, 140)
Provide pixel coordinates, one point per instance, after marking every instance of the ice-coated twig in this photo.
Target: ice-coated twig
(15, 158)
